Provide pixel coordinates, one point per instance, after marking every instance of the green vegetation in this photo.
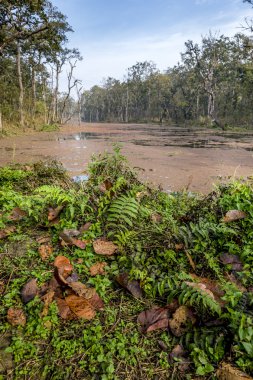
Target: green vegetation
(188, 255)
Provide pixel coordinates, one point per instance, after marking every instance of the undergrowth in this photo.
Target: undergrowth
(166, 242)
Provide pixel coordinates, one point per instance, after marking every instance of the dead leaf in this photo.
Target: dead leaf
(233, 260)
(104, 247)
(16, 317)
(64, 310)
(153, 319)
(63, 269)
(190, 260)
(7, 231)
(228, 372)
(236, 282)
(96, 302)
(29, 290)
(17, 214)
(82, 290)
(61, 261)
(80, 307)
(233, 215)
(85, 227)
(156, 218)
(132, 286)
(211, 287)
(179, 247)
(182, 320)
(105, 186)
(70, 240)
(47, 299)
(202, 287)
(45, 251)
(178, 357)
(97, 268)
(54, 212)
(43, 239)
(72, 278)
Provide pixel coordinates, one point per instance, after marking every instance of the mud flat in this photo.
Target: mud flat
(172, 156)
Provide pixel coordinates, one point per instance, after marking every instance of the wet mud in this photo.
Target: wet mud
(171, 156)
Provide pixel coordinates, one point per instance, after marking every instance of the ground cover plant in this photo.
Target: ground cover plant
(113, 279)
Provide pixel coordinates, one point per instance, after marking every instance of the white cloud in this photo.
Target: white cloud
(112, 58)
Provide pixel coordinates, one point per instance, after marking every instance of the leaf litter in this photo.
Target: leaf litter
(142, 275)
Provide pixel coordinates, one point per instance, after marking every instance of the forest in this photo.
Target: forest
(211, 85)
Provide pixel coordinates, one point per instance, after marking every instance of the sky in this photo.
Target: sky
(113, 35)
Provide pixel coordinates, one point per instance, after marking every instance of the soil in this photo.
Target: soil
(171, 156)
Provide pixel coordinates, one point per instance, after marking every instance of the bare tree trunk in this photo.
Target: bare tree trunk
(1, 123)
(55, 110)
(71, 85)
(33, 95)
(127, 101)
(21, 88)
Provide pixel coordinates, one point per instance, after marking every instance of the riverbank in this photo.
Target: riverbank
(113, 279)
(172, 157)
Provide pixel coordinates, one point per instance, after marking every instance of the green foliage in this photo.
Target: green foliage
(171, 244)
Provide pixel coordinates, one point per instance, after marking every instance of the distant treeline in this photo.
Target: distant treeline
(212, 84)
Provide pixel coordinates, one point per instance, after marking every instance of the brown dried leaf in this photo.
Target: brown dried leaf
(16, 317)
(54, 212)
(183, 319)
(233, 260)
(153, 319)
(70, 240)
(47, 299)
(43, 239)
(179, 355)
(233, 215)
(96, 302)
(85, 227)
(97, 268)
(104, 247)
(7, 231)
(61, 261)
(17, 214)
(190, 260)
(236, 282)
(45, 251)
(64, 310)
(29, 290)
(179, 247)
(80, 307)
(228, 372)
(82, 290)
(201, 287)
(156, 218)
(132, 286)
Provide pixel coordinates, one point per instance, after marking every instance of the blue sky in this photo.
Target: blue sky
(113, 35)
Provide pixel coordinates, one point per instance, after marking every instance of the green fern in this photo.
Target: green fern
(122, 212)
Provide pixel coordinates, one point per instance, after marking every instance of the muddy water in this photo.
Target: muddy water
(171, 156)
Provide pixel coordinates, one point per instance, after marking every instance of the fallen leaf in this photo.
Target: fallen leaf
(85, 227)
(156, 218)
(236, 282)
(43, 239)
(45, 251)
(212, 285)
(182, 320)
(47, 299)
(72, 232)
(132, 286)
(233, 215)
(96, 302)
(71, 240)
(153, 319)
(61, 261)
(17, 214)
(82, 290)
(16, 317)
(80, 307)
(104, 247)
(202, 287)
(179, 247)
(228, 372)
(64, 310)
(54, 212)
(7, 231)
(97, 268)
(29, 290)
(178, 357)
(72, 278)
(190, 260)
(233, 260)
